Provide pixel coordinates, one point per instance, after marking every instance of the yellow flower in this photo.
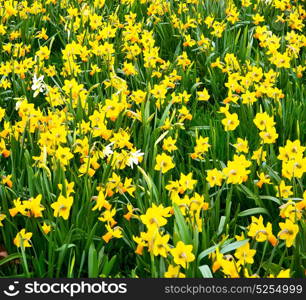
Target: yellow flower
(160, 245)
(3, 151)
(174, 272)
(23, 238)
(130, 214)
(242, 145)
(2, 113)
(269, 136)
(291, 151)
(174, 188)
(209, 21)
(245, 255)
(164, 163)
(288, 232)
(156, 216)
(263, 178)
(34, 207)
(42, 34)
(283, 190)
(295, 167)
(184, 114)
(214, 177)
(189, 42)
(280, 60)
(230, 268)
(246, 3)
(183, 60)
(43, 53)
(159, 92)
(112, 233)
(302, 204)
(236, 171)
(182, 254)
(19, 208)
(95, 21)
(290, 210)
(101, 201)
(138, 96)
(249, 97)
(197, 203)
(7, 180)
(63, 154)
(299, 71)
(219, 28)
(2, 217)
(257, 19)
(141, 243)
(203, 95)
(68, 187)
(116, 185)
(247, 275)
(259, 155)
(261, 233)
(129, 69)
(62, 207)
(263, 121)
(232, 14)
(186, 182)
(230, 122)
(107, 216)
(169, 144)
(46, 228)
(217, 258)
(200, 148)
(281, 274)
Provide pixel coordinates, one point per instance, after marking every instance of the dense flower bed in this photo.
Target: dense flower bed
(152, 138)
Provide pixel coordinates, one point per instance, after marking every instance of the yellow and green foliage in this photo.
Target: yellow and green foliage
(152, 138)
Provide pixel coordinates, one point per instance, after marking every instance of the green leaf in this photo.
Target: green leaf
(65, 247)
(221, 225)
(253, 211)
(71, 266)
(183, 230)
(92, 262)
(108, 266)
(271, 267)
(206, 252)
(9, 258)
(250, 194)
(274, 199)
(205, 270)
(233, 246)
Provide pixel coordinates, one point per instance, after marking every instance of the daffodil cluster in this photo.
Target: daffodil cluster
(152, 138)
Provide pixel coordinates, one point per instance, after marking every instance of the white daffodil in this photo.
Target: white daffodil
(134, 158)
(38, 85)
(107, 151)
(18, 103)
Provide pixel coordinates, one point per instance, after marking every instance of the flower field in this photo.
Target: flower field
(152, 138)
